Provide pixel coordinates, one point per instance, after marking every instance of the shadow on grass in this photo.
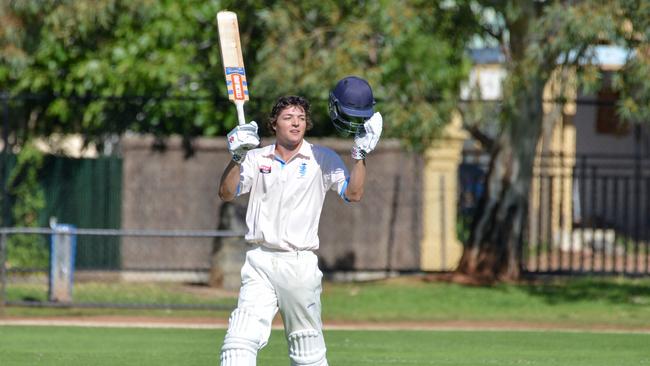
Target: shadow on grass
(614, 291)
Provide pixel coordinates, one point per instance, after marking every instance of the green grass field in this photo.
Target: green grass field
(584, 304)
(69, 346)
(577, 302)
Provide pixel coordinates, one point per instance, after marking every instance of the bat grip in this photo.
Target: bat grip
(239, 104)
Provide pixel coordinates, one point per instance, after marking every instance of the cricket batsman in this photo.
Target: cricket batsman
(287, 182)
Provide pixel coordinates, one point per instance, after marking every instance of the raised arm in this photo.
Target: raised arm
(229, 181)
(354, 191)
(364, 142)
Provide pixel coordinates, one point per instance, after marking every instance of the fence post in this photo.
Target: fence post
(3, 271)
(63, 247)
(5, 158)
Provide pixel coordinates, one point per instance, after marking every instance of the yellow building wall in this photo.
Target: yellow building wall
(551, 193)
(440, 248)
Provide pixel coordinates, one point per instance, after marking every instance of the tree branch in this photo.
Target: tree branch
(486, 141)
(496, 34)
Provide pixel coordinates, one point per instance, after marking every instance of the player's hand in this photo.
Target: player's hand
(241, 139)
(365, 141)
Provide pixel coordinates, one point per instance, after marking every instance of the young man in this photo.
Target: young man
(287, 182)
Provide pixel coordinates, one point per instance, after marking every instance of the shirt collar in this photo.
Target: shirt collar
(304, 152)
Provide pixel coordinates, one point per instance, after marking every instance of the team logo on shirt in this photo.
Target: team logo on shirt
(302, 170)
(265, 169)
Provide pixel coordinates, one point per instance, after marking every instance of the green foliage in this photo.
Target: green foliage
(463, 228)
(412, 54)
(27, 251)
(632, 81)
(113, 48)
(573, 30)
(539, 38)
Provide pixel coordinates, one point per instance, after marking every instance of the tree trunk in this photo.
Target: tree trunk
(494, 249)
(229, 253)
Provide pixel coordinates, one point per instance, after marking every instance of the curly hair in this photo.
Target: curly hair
(285, 102)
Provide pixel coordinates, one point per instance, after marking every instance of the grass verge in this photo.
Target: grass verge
(583, 302)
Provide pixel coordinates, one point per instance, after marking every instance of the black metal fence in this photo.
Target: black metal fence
(588, 214)
(592, 218)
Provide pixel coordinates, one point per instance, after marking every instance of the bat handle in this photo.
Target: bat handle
(239, 104)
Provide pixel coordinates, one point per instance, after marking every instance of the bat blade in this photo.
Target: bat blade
(233, 61)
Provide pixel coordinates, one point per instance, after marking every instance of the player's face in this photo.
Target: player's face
(290, 126)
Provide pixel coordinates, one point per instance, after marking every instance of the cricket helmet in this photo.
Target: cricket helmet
(351, 103)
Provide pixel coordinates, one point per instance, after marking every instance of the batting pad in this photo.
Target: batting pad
(237, 357)
(244, 338)
(307, 348)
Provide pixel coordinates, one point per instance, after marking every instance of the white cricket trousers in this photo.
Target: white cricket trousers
(275, 280)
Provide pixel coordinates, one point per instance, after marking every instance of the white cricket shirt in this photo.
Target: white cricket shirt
(286, 198)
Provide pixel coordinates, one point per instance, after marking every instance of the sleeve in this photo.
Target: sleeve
(335, 173)
(247, 171)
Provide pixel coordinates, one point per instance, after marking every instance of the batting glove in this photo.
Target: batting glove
(365, 141)
(241, 139)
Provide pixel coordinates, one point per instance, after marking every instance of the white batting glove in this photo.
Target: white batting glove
(365, 141)
(241, 139)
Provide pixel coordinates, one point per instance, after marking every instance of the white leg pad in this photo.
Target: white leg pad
(237, 357)
(307, 348)
(243, 339)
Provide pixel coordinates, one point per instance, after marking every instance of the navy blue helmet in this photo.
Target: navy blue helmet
(351, 104)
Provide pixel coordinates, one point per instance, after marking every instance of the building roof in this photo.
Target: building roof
(487, 55)
(604, 55)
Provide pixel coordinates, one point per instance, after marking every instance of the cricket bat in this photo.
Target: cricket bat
(233, 61)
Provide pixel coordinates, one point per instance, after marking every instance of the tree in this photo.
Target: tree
(27, 251)
(412, 53)
(101, 68)
(542, 39)
(109, 66)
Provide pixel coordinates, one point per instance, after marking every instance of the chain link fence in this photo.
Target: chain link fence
(58, 283)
